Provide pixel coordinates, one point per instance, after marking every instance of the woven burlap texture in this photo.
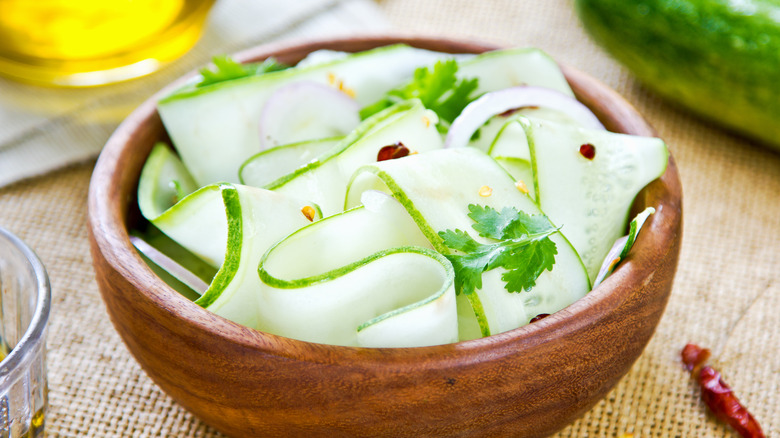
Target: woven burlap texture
(726, 295)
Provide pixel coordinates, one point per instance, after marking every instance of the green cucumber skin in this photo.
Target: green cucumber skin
(719, 59)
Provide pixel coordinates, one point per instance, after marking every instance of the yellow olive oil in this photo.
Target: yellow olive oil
(90, 42)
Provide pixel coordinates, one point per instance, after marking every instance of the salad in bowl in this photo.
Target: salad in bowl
(335, 240)
(394, 197)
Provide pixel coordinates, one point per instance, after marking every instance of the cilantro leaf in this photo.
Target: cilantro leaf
(491, 223)
(460, 96)
(524, 267)
(438, 88)
(522, 246)
(225, 69)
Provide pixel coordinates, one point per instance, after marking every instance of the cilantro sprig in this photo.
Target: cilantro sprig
(438, 88)
(225, 69)
(522, 246)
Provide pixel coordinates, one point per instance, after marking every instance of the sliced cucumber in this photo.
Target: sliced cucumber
(589, 196)
(164, 181)
(510, 150)
(371, 289)
(521, 171)
(215, 128)
(189, 261)
(272, 164)
(485, 136)
(199, 223)
(231, 226)
(507, 68)
(324, 180)
(511, 141)
(436, 188)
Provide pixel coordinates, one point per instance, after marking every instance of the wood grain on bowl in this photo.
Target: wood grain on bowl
(527, 382)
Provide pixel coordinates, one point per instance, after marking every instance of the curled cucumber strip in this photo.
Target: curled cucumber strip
(164, 181)
(586, 181)
(230, 227)
(216, 128)
(435, 188)
(266, 167)
(324, 179)
(364, 277)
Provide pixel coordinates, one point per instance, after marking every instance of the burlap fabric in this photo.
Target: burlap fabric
(726, 295)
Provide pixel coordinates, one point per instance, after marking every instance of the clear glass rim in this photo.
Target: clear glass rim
(33, 335)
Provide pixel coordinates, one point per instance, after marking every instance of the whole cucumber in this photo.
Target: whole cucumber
(719, 58)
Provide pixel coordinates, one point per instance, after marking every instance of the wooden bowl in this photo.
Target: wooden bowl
(527, 382)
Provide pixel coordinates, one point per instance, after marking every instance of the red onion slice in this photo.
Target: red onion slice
(304, 111)
(491, 104)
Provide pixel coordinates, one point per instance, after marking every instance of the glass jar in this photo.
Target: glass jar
(25, 300)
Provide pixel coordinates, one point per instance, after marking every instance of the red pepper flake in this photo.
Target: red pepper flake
(391, 152)
(538, 317)
(588, 151)
(717, 395)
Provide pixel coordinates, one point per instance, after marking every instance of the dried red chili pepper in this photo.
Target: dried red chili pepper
(694, 357)
(717, 395)
(391, 152)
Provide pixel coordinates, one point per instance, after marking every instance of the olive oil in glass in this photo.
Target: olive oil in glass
(93, 42)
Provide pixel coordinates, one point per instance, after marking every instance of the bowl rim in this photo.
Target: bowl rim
(107, 216)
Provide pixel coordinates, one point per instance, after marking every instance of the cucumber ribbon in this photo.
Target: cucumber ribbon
(335, 280)
(434, 188)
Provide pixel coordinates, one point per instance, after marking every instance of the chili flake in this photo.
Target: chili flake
(392, 151)
(588, 151)
(520, 184)
(309, 212)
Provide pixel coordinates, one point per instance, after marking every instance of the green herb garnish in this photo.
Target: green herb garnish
(438, 89)
(225, 69)
(522, 247)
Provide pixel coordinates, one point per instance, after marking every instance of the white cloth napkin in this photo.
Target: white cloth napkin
(43, 129)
